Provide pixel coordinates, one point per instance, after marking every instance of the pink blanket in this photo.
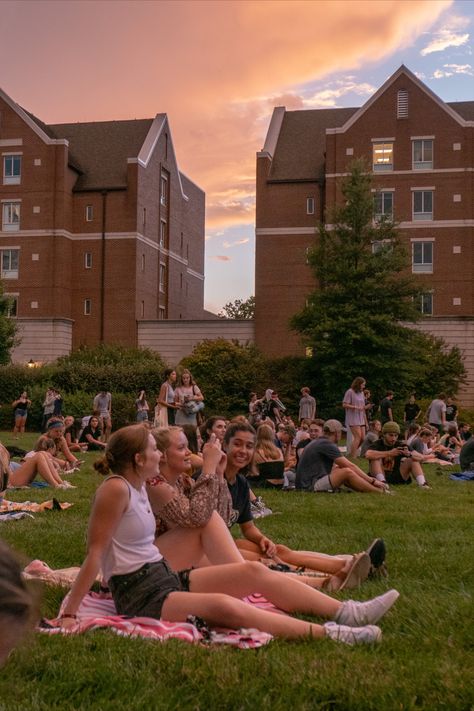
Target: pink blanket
(97, 611)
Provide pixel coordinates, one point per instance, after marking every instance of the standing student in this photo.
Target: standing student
(354, 405)
(20, 411)
(103, 409)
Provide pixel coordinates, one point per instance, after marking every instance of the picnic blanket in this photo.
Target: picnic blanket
(14, 515)
(462, 476)
(97, 611)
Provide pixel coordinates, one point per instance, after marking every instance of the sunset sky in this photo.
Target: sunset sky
(217, 69)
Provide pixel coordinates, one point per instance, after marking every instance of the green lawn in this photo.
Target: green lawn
(424, 662)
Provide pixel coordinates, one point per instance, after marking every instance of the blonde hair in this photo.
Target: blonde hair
(265, 445)
(163, 435)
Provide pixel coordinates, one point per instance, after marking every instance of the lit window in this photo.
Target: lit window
(310, 206)
(309, 352)
(163, 232)
(12, 305)
(422, 154)
(10, 261)
(383, 205)
(382, 156)
(422, 257)
(12, 170)
(11, 216)
(87, 307)
(422, 205)
(88, 260)
(162, 277)
(402, 103)
(89, 213)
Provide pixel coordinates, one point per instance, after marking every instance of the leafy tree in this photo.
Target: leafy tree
(8, 329)
(238, 309)
(353, 319)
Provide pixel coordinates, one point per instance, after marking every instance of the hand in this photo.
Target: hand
(221, 467)
(67, 623)
(211, 453)
(380, 484)
(268, 547)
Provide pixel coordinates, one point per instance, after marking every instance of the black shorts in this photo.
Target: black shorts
(395, 478)
(143, 592)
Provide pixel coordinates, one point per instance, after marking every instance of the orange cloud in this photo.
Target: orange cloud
(216, 68)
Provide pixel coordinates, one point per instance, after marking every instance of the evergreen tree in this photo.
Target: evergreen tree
(353, 319)
(7, 329)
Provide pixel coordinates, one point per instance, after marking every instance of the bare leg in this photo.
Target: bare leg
(219, 609)
(304, 559)
(32, 466)
(211, 544)
(341, 475)
(357, 432)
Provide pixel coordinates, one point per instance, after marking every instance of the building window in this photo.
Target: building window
(310, 206)
(422, 205)
(11, 216)
(383, 205)
(12, 305)
(162, 277)
(12, 169)
(10, 261)
(161, 313)
(422, 257)
(144, 217)
(142, 309)
(382, 156)
(181, 280)
(402, 104)
(143, 262)
(379, 245)
(89, 213)
(87, 307)
(88, 260)
(422, 154)
(426, 304)
(163, 232)
(181, 244)
(164, 189)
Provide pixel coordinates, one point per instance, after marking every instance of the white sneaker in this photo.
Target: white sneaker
(353, 635)
(67, 485)
(355, 613)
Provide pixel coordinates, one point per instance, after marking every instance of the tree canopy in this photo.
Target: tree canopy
(354, 319)
(8, 329)
(240, 308)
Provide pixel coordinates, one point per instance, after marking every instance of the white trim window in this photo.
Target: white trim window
(422, 257)
(161, 313)
(422, 205)
(162, 278)
(310, 205)
(426, 304)
(381, 244)
(10, 259)
(89, 213)
(87, 260)
(382, 156)
(383, 205)
(11, 216)
(87, 307)
(422, 151)
(163, 232)
(164, 189)
(12, 169)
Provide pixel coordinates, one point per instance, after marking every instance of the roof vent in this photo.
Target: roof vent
(402, 104)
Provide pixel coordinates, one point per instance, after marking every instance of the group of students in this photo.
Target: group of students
(159, 535)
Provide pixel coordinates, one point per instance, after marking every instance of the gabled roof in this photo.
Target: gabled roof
(299, 152)
(101, 148)
(465, 109)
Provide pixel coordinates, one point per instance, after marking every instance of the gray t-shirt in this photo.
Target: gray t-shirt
(437, 409)
(316, 461)
(369, 439)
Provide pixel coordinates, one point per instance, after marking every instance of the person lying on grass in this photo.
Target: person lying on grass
(39, 464)
(17, 604)
(121, 544)
(190, 515)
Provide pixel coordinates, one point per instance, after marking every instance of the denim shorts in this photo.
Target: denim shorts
(143, 592)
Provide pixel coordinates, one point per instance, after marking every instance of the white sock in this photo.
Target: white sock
(420, 480)
(380, 477)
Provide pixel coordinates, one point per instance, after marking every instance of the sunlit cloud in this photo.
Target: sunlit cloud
(450, 69)
(451, 35)
(328, 97)
(220, 258)
(229, 245)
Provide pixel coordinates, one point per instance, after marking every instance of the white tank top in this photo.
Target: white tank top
(132, 544)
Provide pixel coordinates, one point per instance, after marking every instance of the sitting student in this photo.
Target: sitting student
(375, 427)
(466, 456)
(315, 430)
(323, 468)
(17, 604)
(421, 444)
(464, 431)
(412, 432)
(452, 440)
(48, 446)
(121, 544)
(266, 451)
(55, 429)
(285, 436)
(391, 460)
(451, 410)
(39, 463)
(71, 434)
(91, 435)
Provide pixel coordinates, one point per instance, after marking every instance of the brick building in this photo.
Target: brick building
(422, 154)
(99, 230)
